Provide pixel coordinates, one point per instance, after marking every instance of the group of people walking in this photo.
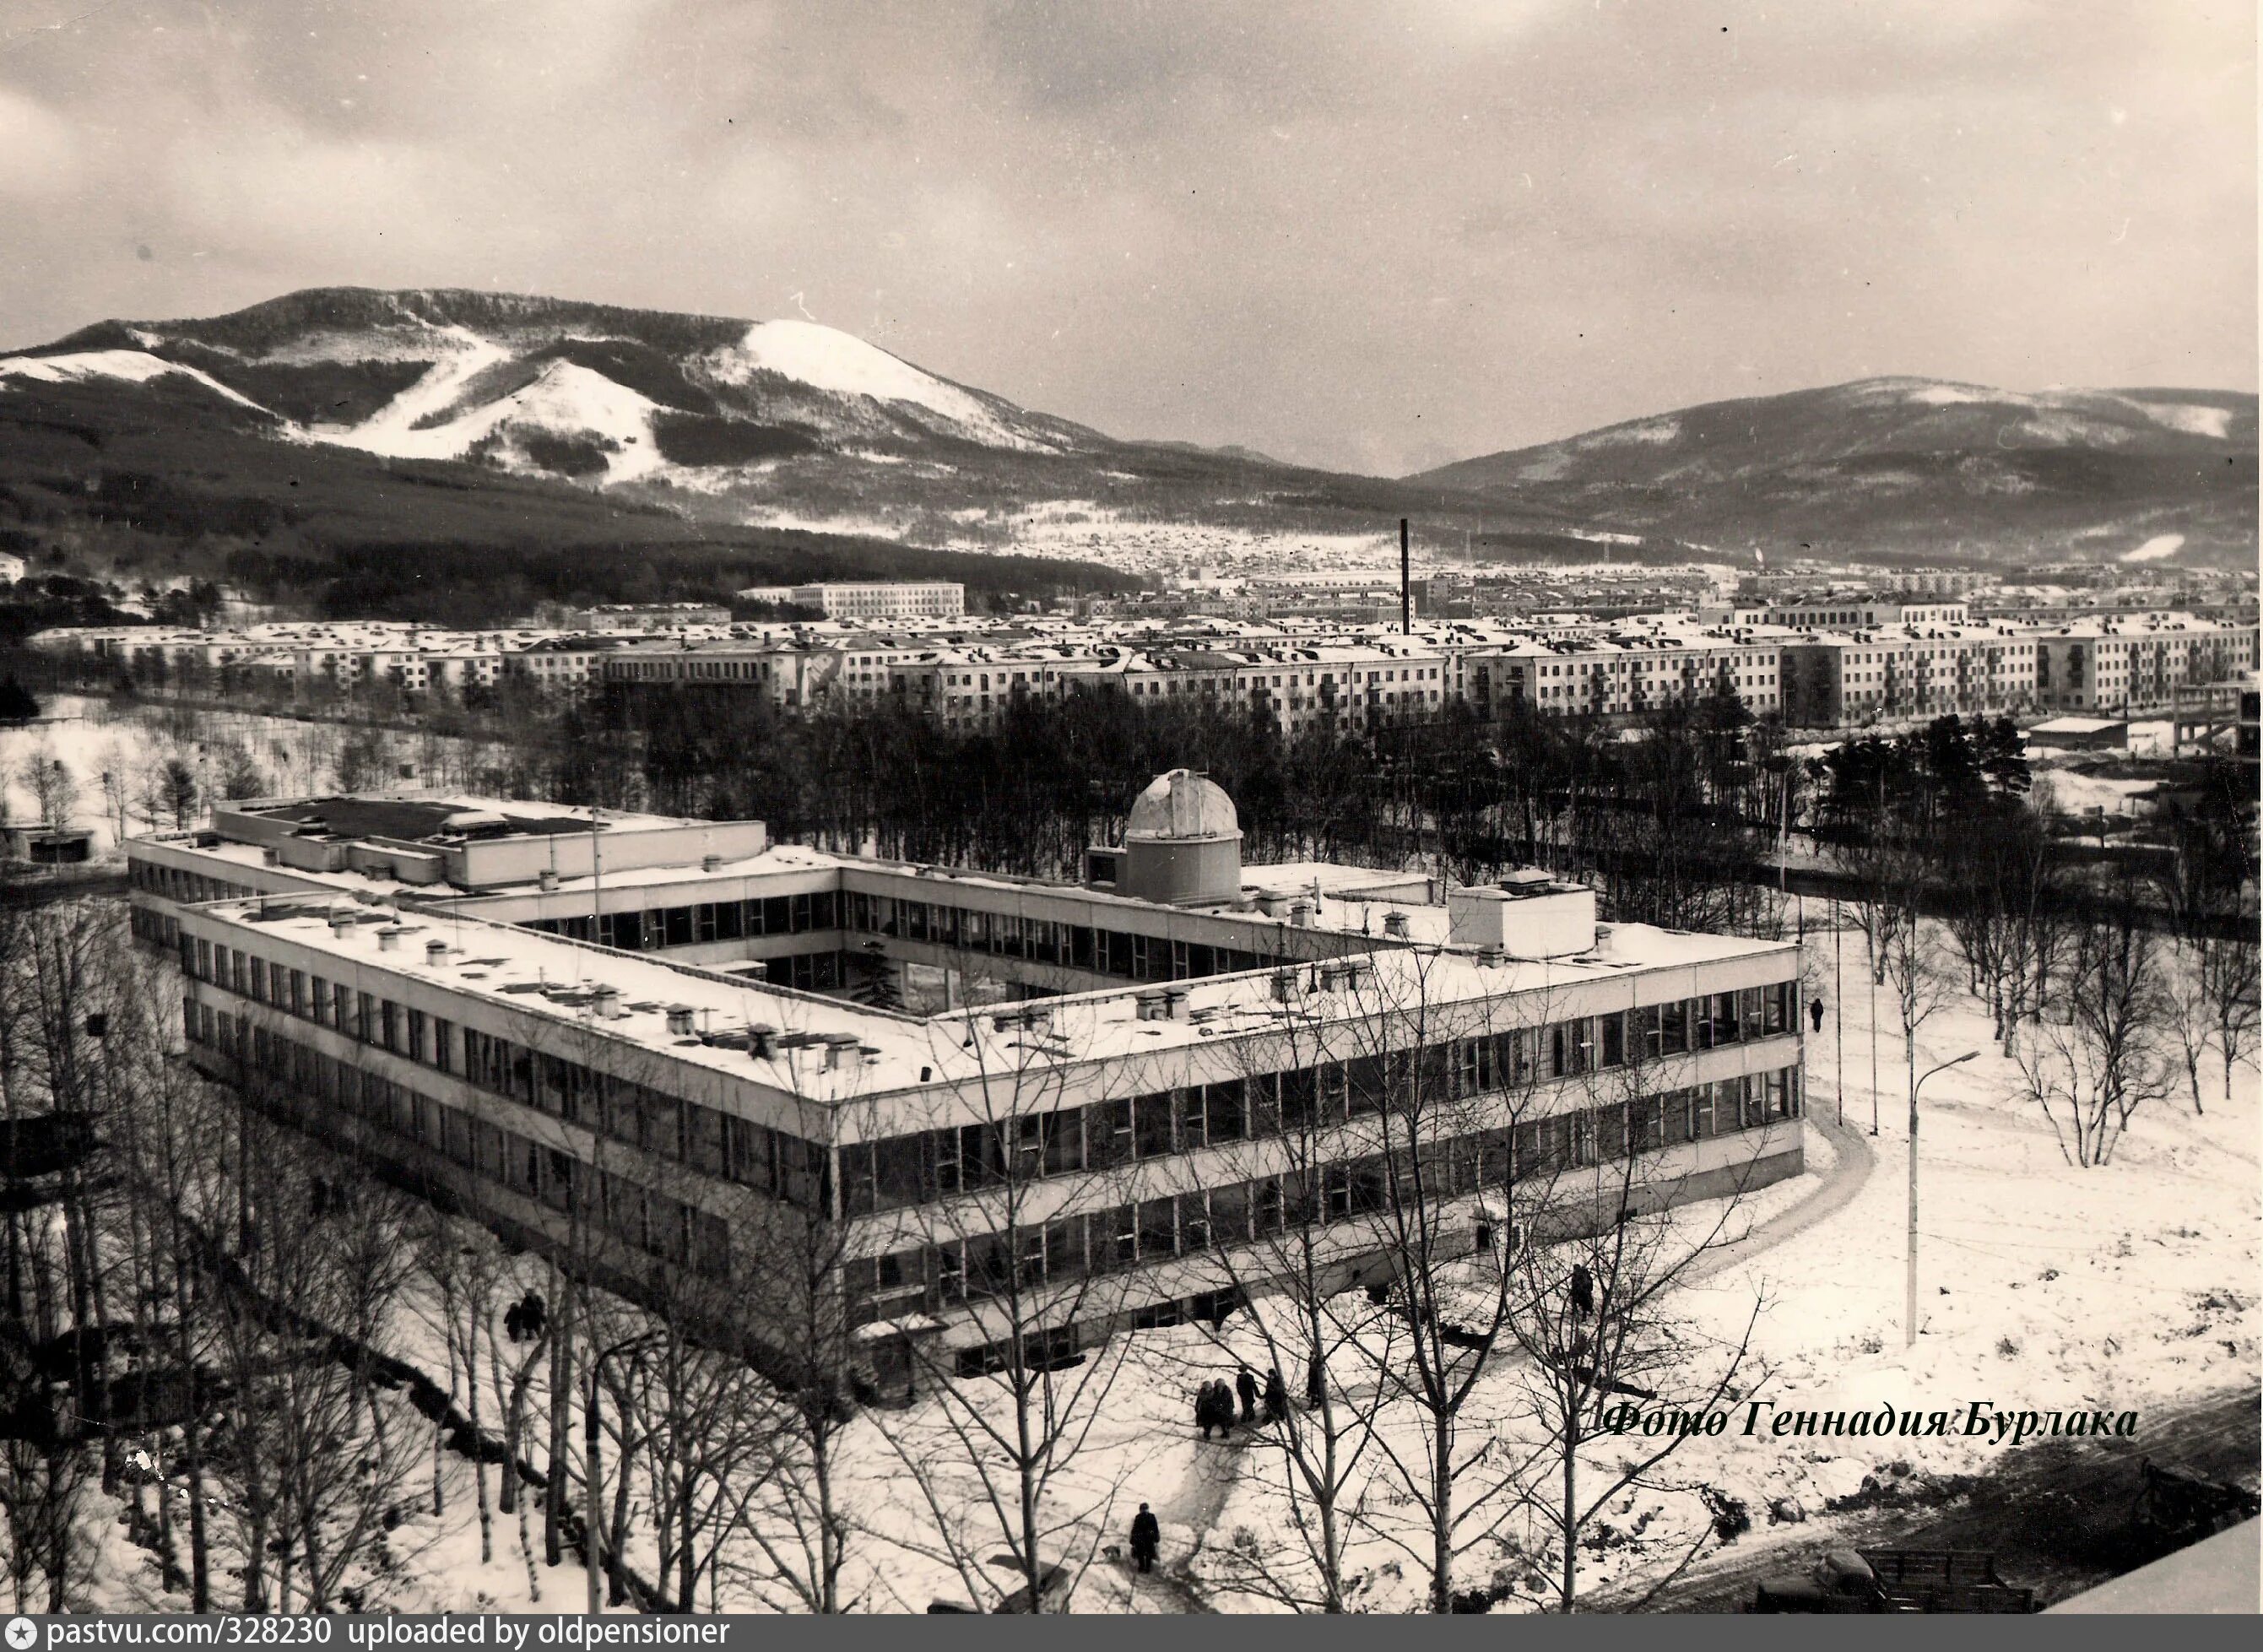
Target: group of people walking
(1216, 1408)
(1214, 1403)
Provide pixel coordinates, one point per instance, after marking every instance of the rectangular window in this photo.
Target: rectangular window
(1194, 1119)
(1194, 1222)
(1158, 1228)
(1613, 1051)
(1064, 1141)
(945, 1175)
(1152, 1114)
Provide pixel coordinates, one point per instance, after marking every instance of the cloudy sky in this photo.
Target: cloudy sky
(1374, 236)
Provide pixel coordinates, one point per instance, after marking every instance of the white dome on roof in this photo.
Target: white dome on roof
(1182, 804)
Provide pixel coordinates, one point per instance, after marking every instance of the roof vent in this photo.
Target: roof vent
(1394, 925)
(548, 878)
(436, 952)
(340, 923)
(679, 1020)
(759, 1037)
(388, 939)
(1300, 915)
(607, 1001)
(711, 863)
(1284, 985)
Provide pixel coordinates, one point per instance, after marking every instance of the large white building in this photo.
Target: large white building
(612, 1037)
(870, 599)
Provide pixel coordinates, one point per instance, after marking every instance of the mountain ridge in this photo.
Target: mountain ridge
(1903, 459)
(785, 422)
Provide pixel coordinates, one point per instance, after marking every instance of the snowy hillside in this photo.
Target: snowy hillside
(540, 386)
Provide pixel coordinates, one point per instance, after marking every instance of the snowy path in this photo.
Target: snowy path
(1836, 1188)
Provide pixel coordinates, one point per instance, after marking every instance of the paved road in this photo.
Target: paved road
(2056, 1515)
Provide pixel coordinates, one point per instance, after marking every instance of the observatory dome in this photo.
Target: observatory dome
(1183, 805)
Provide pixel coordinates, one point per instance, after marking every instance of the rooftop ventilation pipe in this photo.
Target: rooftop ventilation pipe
(1394, 925)
(711, 863)
(388, 939)
(758, 1041)
(548, 878)
(1300, 915)
(436, 952)
(607, 1001)
(679, 1020)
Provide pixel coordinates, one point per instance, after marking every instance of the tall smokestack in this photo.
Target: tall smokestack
(1405, 584)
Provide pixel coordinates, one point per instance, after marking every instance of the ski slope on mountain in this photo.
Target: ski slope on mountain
(133, 366)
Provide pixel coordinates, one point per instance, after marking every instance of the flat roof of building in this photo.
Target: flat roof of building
(435, 817)
(557, 979)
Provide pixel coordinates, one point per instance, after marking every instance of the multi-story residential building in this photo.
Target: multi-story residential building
(1346, 685)
(646, 616)
(1834, 680)
(2138, 663)
(1626, 674)
(656, 1108)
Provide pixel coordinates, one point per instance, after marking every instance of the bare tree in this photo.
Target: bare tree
(2097, 1054)
(997, 1454)
(1598, 1261)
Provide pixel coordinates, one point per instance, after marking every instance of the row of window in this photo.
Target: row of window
(175, 884)
(772, 1162)
(927, 1277)
(931, 1164)
(1130, 956)
(308, 1082)
(706, 921)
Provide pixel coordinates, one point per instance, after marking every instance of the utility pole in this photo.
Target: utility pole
(1909, 1314)
(1839, 1009)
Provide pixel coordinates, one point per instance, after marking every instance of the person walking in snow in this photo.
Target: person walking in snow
(1214, 1410)
(1146, 1538)
(1246, 1383)
(1815, 1013)
(1583, 1289)
(1276, 1396)
(1316, 1383)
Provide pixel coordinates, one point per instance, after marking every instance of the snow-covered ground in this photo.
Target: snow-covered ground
(92, 736)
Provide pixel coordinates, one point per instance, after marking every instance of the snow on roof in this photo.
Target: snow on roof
(554, 978)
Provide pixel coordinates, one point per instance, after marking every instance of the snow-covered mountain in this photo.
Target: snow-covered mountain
(590, 391)
(1909, 463)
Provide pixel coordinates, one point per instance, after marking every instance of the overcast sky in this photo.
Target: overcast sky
(1374, 236)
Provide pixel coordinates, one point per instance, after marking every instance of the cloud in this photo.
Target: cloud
(1366, 236)
(38, 154)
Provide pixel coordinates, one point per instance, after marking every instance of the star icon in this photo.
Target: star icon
(21, 1632)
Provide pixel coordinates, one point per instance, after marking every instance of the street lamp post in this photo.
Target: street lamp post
(1909, 1306)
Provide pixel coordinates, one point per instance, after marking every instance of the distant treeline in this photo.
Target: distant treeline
(1666, 826)
(475, 586)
